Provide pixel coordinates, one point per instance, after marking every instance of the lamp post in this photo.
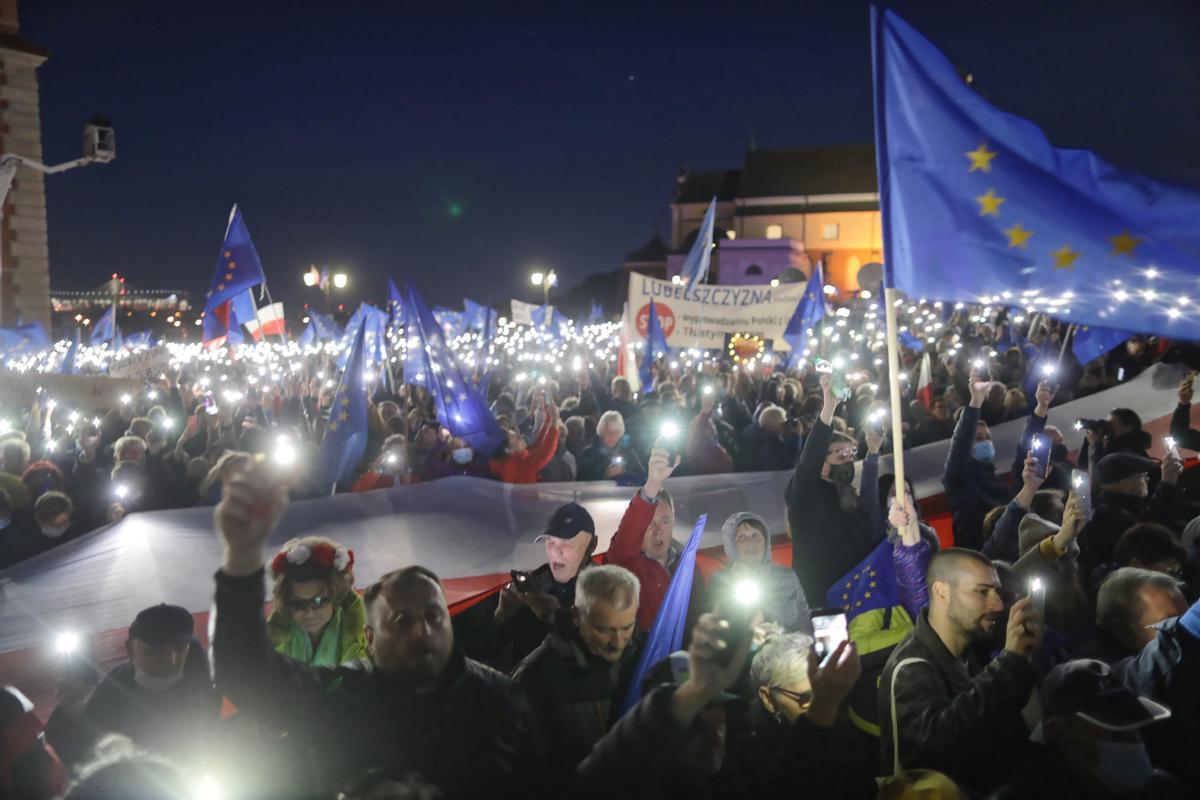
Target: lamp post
(544, 280)
(327, 282)
(99, 147)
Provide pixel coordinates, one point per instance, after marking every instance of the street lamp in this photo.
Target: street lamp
(544, 280)
(99, 147)
(339, 280)
(327, 283)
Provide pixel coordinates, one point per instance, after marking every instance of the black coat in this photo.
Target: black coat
(972, 486)
(963, 719)
(827, 539)
(473, 735)
(1116, 513)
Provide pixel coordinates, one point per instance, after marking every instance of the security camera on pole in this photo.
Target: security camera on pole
(99, 147)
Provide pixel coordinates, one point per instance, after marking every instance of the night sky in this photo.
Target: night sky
(457, 145)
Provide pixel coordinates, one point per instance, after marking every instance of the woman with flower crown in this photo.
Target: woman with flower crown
(317, 618)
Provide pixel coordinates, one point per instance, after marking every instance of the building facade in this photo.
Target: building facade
(784, 210)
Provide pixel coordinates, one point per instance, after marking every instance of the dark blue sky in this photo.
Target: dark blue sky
(352, 132)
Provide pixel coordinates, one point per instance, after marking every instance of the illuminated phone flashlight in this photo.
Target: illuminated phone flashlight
(51, 404)
(839, 362)
(1036, 444)
(618, 460)
(392, 458)
(1035, 585)
(1048, 370)
(51, 446)
(1078, 424)
(125, 399)
(708, 390)
(152, 395)
(285, 452)
(668, 430)
(73, 416)
(167, 423)
(1078, 481)
(121, 490)
(66, 643)
(747, 592)
(233, 395)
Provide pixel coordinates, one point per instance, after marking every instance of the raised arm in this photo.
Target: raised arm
(816, 446)
(964, 439)
(626, 545)
(1002, 543)
(1181, 420)
(1035, 423)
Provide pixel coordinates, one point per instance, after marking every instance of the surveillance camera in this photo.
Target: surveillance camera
(99, 141)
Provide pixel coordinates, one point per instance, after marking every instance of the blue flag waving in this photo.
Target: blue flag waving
(103, 329)
(1090, 342)
(395, 305)
(69, 365)
(870, 584)
(666, 634)
(809, 311)
(238, 269)
(978, 206)
(346, 431)
(695, 266)
(656, 345)
(459, 406)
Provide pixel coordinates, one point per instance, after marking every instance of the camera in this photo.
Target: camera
(1082, 424)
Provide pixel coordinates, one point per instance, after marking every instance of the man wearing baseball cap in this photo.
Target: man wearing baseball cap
(162, 698)
(1124, 500)
(527, 606)
(1092, 735)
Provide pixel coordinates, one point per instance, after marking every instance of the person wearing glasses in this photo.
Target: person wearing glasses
(317, 618)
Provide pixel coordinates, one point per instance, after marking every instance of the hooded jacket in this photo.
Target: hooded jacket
(783, 599)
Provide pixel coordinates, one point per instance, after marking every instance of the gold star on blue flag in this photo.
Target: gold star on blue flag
(870, 584)
(979, 207)
(346, 432)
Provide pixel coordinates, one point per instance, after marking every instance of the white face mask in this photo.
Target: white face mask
(153, 683)
(55, 531)
(1124, 766)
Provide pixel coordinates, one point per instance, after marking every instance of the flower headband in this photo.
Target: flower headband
(325, 555)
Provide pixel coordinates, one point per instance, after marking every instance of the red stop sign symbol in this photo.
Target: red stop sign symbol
(666, 319)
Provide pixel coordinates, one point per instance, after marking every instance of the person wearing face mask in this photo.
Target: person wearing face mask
(830, 526)
(162, 697)
(317, 617)
(453, 456)
(49, 526)
(1092, 740)
(972, 486)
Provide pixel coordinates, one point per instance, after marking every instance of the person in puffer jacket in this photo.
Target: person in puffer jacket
(748, 547)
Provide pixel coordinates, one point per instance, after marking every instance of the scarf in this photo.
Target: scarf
(299, 645)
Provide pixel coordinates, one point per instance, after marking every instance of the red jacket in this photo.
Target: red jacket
(523, 467)
(626, 551)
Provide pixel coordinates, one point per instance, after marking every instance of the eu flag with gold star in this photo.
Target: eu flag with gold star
(346, 431)
(977, 206)
(238, 267)
(870, 584)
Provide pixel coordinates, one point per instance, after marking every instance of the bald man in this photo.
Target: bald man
(954, 713)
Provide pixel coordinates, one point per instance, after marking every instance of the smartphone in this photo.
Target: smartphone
(830, 629)
(874, 421)
(1081, 485)
(521, 581)
(1172, 450)
(1039, 447)
(1121, 374)
(980, 371)
(1037, 595)
(738, 610)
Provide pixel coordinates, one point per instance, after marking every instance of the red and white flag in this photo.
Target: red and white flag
(270, 322)
(925, 383)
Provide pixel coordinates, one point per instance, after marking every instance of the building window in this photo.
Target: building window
(829, 231)
(753, 269)
(774, 231)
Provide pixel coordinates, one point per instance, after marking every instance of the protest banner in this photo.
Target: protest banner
(522, 312)
(84, 392)
(142, 366)
(704, 316)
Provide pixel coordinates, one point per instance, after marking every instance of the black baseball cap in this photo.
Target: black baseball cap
(1089, 689)
(1117, 466)
(568, 521)
(162, 624)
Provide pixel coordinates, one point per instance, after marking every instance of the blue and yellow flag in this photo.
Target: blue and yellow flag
(346, 431)
(809, 311)
(870, 584)
(102, 331)
(1090, 342)
(656, 347)
(977, 206)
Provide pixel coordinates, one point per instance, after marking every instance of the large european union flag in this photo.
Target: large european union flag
(238, 267)
(670, 623)
(870, 584)
(459, 406)
(979, 207)
(102, 331)
(346, 431)
(374, 322)
(656, 346)
(695, 267)
(809, 311)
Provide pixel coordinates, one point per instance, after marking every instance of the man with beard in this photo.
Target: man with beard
(831, 530)
(419, 706)
(954, 714)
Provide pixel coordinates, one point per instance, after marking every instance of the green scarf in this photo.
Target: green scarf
(299, 645)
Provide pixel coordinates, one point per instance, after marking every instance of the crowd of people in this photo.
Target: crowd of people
(1051, 652)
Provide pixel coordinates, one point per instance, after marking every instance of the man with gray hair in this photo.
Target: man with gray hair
(1130, 601)
(584, 664)
(610, 455)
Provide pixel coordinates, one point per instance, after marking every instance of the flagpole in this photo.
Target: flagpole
(893, 349)
(1066, 341)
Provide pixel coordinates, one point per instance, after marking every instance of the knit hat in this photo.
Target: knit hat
(1117, 466)
(1032, 530)
(162, 624)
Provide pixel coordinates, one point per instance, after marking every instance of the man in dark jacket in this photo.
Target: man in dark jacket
(831, 529)
(953, 713)
(972, 486)
(421, 707)
(577, 677)
(162, 698)
(1124, 500)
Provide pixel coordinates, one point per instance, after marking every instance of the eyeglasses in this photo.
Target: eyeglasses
(846, 452)
(802, 699)
(298, 604)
